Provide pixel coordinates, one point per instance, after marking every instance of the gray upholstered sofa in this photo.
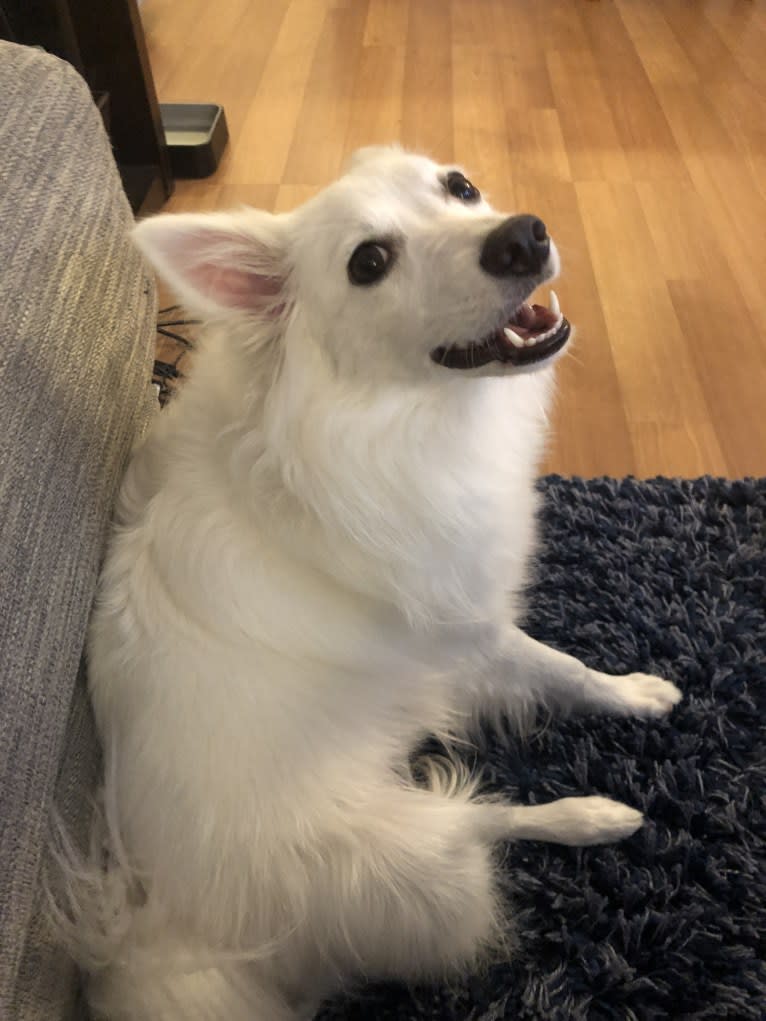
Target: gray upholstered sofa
(77, 314)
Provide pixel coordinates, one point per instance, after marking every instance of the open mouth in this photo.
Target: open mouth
(532, 334)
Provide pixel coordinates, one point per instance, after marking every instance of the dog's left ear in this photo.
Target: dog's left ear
(220, 264)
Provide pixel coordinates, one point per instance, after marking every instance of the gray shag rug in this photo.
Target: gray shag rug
(667, 577)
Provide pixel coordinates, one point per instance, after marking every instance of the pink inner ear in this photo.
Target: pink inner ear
(233, 287)
(221, 266)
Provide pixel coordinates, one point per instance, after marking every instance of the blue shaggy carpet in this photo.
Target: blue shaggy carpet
(667, 577)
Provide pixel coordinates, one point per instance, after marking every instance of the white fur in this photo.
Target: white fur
(315, 565)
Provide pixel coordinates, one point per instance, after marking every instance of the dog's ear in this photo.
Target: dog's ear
(220, 263)
(369, 153)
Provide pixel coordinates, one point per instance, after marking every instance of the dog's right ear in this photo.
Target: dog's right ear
(220, 264)
(369, 153)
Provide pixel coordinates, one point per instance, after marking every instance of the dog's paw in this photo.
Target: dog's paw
(645, 695)
(596, 820)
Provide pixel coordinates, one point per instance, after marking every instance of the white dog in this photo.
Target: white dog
(316, 563)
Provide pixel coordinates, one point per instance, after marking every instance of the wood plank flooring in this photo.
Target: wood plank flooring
(635, 128)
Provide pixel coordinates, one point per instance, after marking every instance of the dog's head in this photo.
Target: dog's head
(398, 270)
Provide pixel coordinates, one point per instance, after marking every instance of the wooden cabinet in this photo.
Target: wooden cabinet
(104, 40)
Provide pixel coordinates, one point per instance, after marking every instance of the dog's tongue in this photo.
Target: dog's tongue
(529, 320)
(526, 316)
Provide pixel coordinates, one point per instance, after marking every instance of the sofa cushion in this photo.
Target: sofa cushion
(77, 313)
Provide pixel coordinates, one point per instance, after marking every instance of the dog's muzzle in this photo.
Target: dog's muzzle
(518, 247)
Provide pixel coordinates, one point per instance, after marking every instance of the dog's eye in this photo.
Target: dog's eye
(461, 188)
(369, 263)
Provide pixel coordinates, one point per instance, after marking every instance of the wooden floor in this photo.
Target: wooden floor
(635, 128)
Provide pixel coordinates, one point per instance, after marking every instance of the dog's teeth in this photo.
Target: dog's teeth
(553, 304)
(530, 341)
(514, 338)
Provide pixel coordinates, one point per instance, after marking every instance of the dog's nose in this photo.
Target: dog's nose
(518, 247)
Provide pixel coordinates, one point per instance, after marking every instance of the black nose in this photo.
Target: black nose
(518, 247)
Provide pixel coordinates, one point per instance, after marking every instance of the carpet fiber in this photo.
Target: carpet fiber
(667, 577)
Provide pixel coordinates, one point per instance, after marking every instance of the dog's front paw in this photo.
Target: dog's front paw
(645, 695)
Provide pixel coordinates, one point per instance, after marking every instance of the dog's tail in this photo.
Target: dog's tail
(136, 965)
